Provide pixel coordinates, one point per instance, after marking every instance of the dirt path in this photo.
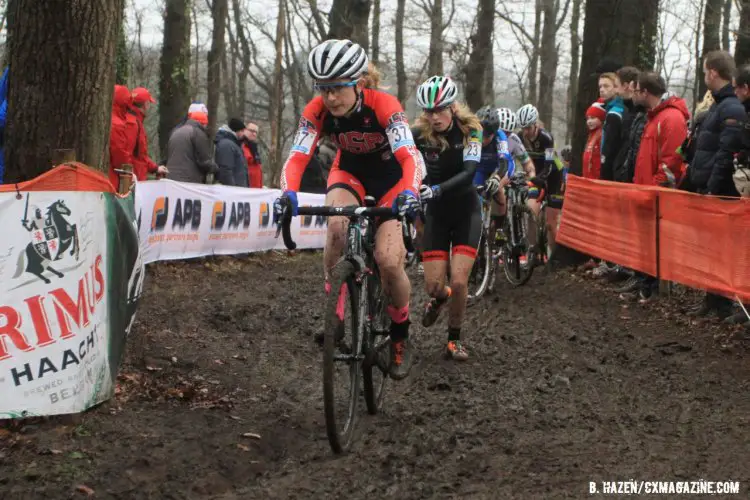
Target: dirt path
(564, 386)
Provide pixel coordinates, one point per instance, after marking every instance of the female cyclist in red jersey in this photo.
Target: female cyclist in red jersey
(376, 157)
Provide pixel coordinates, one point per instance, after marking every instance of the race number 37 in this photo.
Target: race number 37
(304, 140)
(399, 135)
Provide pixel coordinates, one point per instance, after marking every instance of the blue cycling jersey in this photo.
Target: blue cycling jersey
(490, 160)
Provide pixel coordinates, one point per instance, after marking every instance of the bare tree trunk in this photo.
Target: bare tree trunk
(489, 79)
(277, 98)
(481, 42)
(742, 50)
(348, 19)
(726, 19)
(575, 61)
(292, 70)
(197, 53)
(626, 32)
(215, 56)
(548, 62)
(174, 83)
(400, 69)
(534, 59)
(229, 68)
(711, 27)
(244, 50)
(48, 110)
(122, 62)
(375, 31)
(435, 65)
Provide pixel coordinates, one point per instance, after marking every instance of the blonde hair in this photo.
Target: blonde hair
(708, 100)
(611, 76)
(371, 78)
(466, 121)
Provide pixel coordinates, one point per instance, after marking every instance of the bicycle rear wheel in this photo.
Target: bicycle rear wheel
(376, 347)
(480, 272)
(517, 272)
(341, 402)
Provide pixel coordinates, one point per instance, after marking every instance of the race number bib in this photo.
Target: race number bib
(549, 154)
(304, 140)
(399, 135)
(502, 148)
(473, 150)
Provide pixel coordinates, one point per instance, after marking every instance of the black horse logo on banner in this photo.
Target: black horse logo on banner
(51, 236)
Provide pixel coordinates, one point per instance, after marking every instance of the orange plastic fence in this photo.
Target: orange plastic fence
(702, 241)
(66, 177)
(611, 221)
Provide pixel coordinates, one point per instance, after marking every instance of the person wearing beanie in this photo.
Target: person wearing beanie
(592, 162)
(189, 157)
(229, 156)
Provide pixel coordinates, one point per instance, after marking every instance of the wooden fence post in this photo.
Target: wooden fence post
(125, 175)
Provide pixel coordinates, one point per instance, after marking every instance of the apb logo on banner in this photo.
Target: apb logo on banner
(193, 220)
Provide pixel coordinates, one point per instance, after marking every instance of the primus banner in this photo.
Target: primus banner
(70, 278)
(182, 220)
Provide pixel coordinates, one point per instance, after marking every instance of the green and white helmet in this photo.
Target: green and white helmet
(436, 92)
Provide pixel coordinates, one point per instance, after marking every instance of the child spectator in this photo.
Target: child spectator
(592, 161)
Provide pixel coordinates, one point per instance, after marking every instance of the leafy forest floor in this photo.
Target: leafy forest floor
(566, 384)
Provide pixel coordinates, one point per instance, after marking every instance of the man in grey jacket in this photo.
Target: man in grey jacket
(189, 151)
(229, 156)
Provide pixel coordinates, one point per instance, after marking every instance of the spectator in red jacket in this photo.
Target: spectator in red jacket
(592, 158)
(658, 162)
(142, 162)
(123, 134)
(250, 149)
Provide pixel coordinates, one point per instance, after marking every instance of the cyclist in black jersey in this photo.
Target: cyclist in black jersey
(540, 145)
(449, 137)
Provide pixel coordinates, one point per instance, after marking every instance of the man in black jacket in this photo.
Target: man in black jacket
(712, 167)
(229, 156)
(628, 80)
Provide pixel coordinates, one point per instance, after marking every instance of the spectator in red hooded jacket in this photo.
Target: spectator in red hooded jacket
(592, 155)
(123, 134)
(250, 149)
(658, 163)
(142, 162)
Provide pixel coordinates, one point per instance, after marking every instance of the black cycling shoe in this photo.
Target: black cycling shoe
(401, 359)
(432, 309)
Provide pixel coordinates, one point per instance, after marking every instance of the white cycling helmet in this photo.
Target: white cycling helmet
(507, 119)
(335, 59)
(436, 92)
(527, 115)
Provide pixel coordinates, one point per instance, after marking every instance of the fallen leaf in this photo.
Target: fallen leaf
(243, 447)
(77, 455)
(85, 489)
(251, 435)
(219, 362)
(234, 417)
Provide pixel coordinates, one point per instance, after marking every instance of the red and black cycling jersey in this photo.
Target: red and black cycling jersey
(374, 142)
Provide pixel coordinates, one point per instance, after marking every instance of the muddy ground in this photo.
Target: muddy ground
(566, 384)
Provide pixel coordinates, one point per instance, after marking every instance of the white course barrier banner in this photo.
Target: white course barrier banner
(182, 220)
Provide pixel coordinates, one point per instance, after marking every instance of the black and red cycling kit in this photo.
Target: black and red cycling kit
(548, 167)
(453, 221)
(376, 152)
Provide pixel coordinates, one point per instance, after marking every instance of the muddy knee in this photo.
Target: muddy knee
(435, 288)
(459, 286)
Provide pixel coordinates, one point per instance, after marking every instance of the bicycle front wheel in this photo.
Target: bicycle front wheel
(342, 371)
